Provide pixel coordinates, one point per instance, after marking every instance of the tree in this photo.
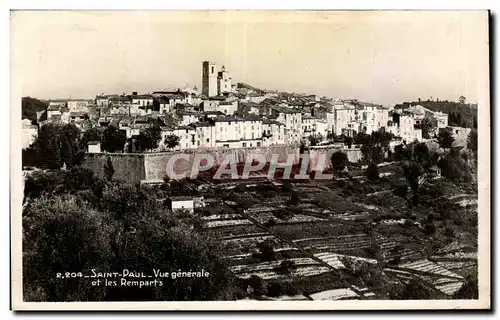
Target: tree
(113, 139)
(445, 138)
(414, 290)
(126, 228)
(348, 141)
(57, 144)
(93, 134)
(60, 235)
(331, 136)
(339, 160)
(171, 141)
(109, 171)
(362, 138)
(372, 172)
(294, 198)
(413, 171)
(266, 250)
(472, 141)
(30, 107)
(455, 168)
(315, 138)
(149, 138)
(428, 126)
(422, 155)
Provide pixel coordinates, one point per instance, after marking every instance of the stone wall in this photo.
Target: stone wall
(135, 167)
(127, 166)
(317, 154)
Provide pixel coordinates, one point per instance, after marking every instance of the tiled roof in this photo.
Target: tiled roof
(142, 96)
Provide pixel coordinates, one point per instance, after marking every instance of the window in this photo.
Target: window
(244, 144)
(258, 144)
(208, 140)
(212, 69)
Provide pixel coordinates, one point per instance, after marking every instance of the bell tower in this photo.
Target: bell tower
(209, 78)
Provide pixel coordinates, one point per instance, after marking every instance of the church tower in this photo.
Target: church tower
(209, 79)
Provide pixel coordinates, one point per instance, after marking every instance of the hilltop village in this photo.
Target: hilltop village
(228, 115)
(398, 221)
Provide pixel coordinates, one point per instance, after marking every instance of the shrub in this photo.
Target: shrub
(266, 250)
(275, 289)
(372, 172)
(286, 266)
(270, 223)
(256, 283)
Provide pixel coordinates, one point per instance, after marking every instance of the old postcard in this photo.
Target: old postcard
(250, 160)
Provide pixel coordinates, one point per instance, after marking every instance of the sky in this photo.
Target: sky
(384, 57)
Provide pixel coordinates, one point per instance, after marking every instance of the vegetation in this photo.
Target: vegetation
(113, 139)
(372, 172)
(109, 171)
(171, 141)
(472, 142)
(315, 139)
(149, 138)
(445, 138)
(55, 146)
(339, 161)
(428, 126)
(74, 222)
(460, 114)
(30, 107)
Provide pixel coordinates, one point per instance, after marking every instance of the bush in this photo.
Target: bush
(125, 228)
(286, 266)
(270, 223)
(339, 161)
(372, 172)
(266, 250)
(282, 214)
(256, 283)
(276, 289)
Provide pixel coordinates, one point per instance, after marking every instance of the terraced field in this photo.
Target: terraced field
(326, 241)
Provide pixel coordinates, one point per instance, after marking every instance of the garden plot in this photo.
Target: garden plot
(319, 229)
(363, 292)
(331, 259)
(399, 274)
(350, 216)
(271, 265)
(335, 259)
(285, 252)
(447, 286)
(353, 243)
(299, 297)
(428, 268)
(224, 216)
(324, 281)
(232, 231)
(456, 266)
(263, 217)
(395, 248)
(301, 271)
(457, 255)
(227, 222)
(454, 247)
(336, 294)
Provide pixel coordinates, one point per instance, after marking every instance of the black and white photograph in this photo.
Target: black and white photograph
(246, 160)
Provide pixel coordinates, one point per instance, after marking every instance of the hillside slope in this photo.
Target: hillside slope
(462, 115)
